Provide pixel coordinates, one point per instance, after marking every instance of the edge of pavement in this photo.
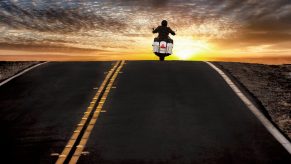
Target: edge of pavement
(253, 104)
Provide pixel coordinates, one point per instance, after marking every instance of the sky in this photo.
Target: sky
(122, 29)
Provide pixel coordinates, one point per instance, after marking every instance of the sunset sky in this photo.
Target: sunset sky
(121, 29)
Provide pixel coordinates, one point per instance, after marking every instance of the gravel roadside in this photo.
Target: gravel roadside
(271, 86)
(8, 69)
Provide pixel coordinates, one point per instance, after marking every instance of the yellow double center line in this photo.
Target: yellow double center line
(77, 142)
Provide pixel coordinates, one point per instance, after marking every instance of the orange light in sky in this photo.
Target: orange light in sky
(188, 48)
(105, 29)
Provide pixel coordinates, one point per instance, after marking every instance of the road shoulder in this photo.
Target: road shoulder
(268, 92)
(10, 69)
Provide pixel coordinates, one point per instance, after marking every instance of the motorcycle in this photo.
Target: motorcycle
(162, 48)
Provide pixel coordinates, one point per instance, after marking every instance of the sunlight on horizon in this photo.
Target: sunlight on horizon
(108, 30)
(186, 48)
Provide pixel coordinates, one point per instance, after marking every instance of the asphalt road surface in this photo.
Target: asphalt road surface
(157, 112)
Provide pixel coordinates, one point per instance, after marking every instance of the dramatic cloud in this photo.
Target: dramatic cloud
(118, 25)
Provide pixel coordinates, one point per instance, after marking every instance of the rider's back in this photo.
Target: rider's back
(164, 32)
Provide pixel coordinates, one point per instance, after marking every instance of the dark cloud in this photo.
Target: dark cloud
(141, 3)
(46, 48)
(268, 15)
(261, 22)
(76, 15)
(243, 21)
(253, 39)
(55, 18)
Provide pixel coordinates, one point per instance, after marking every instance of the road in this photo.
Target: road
(153, 112)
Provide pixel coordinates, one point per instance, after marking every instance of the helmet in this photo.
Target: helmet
(164, 23)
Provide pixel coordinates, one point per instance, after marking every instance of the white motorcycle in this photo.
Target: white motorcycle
(162, 49)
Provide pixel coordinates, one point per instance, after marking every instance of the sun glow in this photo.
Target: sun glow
(187, 48)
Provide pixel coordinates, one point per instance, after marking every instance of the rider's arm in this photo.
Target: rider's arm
(171, 31)
(156, 30)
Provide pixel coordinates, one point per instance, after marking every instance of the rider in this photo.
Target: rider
(164, 32)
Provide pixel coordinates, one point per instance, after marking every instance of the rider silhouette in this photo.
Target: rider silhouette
(164, 32)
